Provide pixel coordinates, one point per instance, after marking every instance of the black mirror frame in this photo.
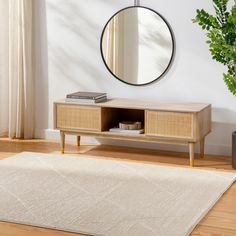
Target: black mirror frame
(173, 46)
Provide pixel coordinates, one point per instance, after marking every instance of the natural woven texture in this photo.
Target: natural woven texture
(106, 197)
(77, 117)
(171, 124)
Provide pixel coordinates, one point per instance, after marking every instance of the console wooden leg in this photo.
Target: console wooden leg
(62, 141)
(202, 147)
(78, 140)
(191, 154)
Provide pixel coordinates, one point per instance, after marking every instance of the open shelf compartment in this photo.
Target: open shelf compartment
(110, 117)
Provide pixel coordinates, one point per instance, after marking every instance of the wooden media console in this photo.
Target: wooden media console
(163, 122)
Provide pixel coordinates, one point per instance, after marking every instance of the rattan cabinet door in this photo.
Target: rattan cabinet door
(169, 124)
(77, 117)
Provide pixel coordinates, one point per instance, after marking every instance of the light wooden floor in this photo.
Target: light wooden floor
(221, 220)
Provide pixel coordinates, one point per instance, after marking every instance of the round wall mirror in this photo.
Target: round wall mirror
(137, 45)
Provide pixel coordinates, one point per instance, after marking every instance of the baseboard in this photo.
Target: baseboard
(3, 134)
(211, 149)
(51, 134)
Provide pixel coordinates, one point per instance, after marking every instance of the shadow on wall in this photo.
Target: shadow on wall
(66, 63)
(222, 114)
(224, 123)
(70, 61)
(41, 66)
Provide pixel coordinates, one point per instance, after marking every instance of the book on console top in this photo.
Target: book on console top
(86, 101)
(86, 95)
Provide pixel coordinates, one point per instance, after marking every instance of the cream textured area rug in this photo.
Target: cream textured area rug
(106, 197)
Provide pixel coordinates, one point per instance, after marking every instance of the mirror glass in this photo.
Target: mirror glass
(137, 45)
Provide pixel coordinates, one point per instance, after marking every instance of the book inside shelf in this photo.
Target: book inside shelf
(127, 131)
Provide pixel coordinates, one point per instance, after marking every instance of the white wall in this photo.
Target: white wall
(74, 63)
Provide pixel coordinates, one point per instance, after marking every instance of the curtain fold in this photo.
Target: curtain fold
(4, 72)
(20, 78)
(113, 40)
(120, 45)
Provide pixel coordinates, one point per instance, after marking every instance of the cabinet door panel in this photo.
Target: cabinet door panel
(169, 124)
(76, 117)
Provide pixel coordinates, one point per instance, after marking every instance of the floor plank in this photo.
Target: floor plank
(219, 221)
(212, 231)
(223, 220)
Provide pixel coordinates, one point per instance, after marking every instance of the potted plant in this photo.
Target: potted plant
(221, 34)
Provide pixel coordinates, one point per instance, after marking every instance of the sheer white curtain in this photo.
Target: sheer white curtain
(4, 76)
(121, 45)
(113, 40)
(16, 71)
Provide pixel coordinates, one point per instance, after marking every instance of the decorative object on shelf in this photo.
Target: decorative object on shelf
(221, 35)
(163, 122)
(86, 97)
(130, 125)
(137, 45)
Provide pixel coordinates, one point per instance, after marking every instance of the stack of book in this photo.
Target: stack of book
(86, 97)
(127, 131)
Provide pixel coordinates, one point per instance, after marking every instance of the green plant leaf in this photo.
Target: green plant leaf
(221, 34)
